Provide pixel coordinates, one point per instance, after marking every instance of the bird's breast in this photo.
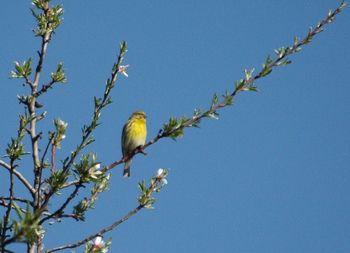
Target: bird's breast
(139, 130)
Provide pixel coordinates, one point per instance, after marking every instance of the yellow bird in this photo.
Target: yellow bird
(133, 136)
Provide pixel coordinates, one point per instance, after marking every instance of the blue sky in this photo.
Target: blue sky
(271, 175)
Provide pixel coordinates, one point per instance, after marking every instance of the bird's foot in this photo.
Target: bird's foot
(141, 150)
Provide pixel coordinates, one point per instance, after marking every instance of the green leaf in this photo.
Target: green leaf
(228, 98)
(47, 19)
(123, 47)
(88, 169)
(214, 100)
(57, 180)
(248, 74)
(197, 112)
(253, 88)
(213, 115)
(59, 75)
(284, 62)
(15, 149)
(281, 52)
(22, 70)
(296, 40)
(265, 71)
(239, 84)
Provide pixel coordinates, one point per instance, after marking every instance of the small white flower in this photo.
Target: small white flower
(59, 10)
(213, 116)
(99, 244)
(61, 123)
(63, 136)
(163, 181)
(159, 172)
(94, 171)
(122, 69)
(98, 241)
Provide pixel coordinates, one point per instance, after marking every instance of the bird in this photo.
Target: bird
(133, 136)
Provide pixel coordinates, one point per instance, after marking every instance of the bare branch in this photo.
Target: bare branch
(46, 149)
(59, 212)
(19, 176)
(44, 88)
(9, 209)
(23, 200)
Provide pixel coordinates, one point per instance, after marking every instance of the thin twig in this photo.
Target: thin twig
(53, 158)
(59, 211)
(19, 176)
(68, 184)
(96, 115)
(4, 204)
(31, 110)
(72, 215)
(44, 88)
(110, 227)
(97, 111)
(18, 199)
(46, 149)
(102, 231)
(43, 159)
(8, 251)
(8, 211)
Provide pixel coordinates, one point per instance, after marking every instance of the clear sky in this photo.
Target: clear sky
(271, 175)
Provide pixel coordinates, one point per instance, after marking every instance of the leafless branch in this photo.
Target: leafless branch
(8, 210)
(19, 176)
(58, 213)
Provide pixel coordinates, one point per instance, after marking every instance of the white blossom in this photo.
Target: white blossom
(159, 172)
(122, 69)
(98, 241)
(61, 123)
(94, 171)
(163, 181)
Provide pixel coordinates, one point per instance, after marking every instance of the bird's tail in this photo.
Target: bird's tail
(126, 172)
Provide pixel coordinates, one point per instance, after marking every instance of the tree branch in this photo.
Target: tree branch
(32, 111)
(44, 88)
(99, 105)
(23, 200)
(8, 211)
(115, 224)
(242, 85)
(60, 210)
(19, 176)
(46, 149)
